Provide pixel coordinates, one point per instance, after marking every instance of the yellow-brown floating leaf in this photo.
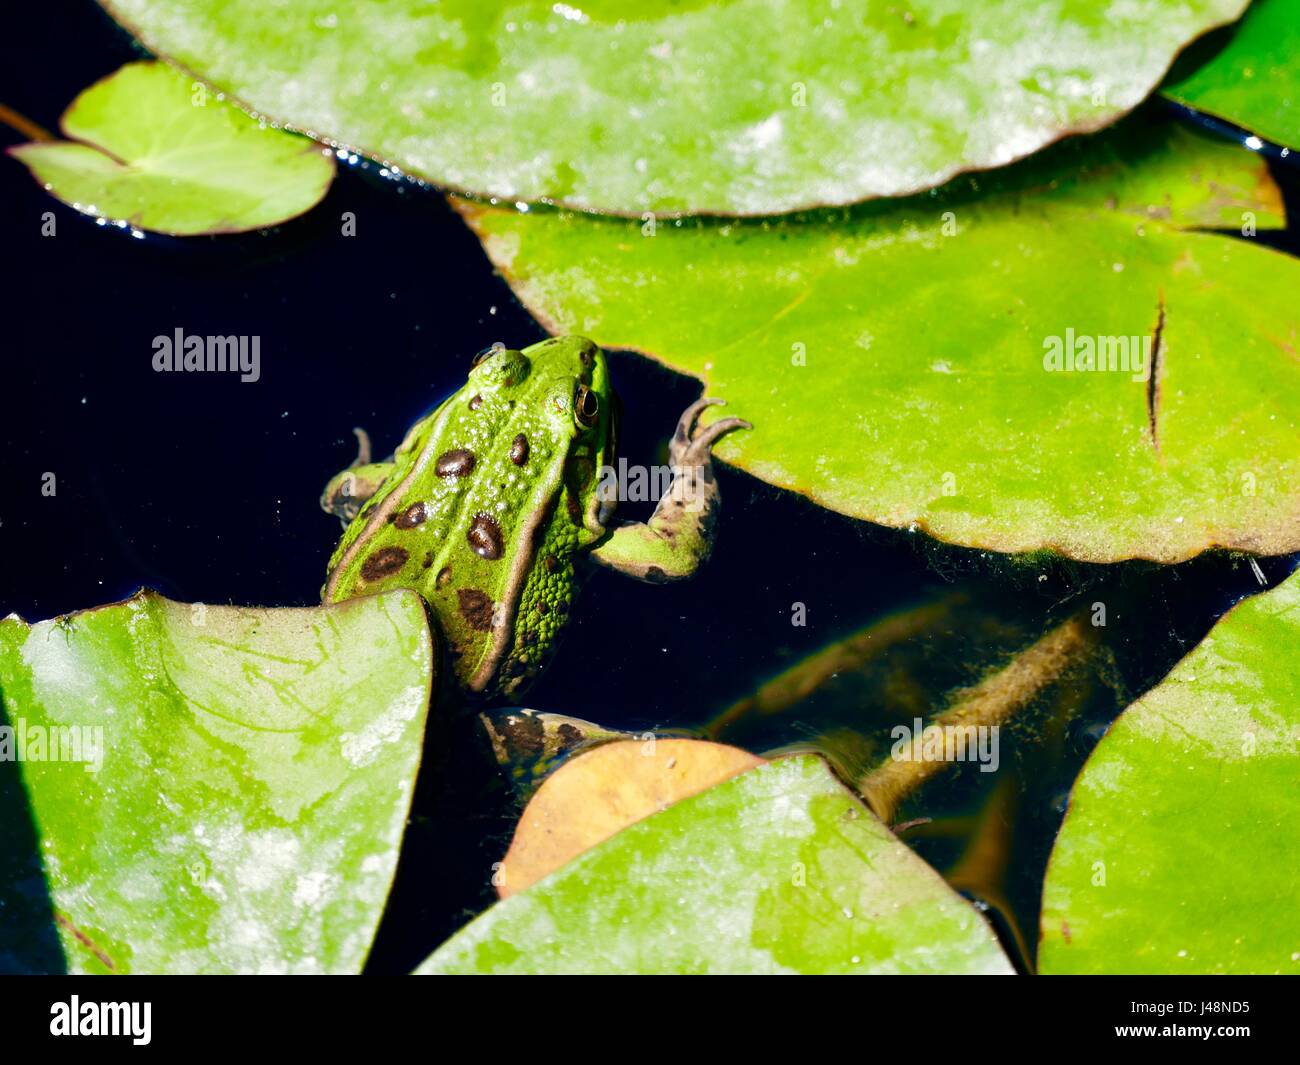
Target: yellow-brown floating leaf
(605, 790)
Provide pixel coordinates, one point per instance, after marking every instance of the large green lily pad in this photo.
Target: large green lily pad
(1255, 80)
(243, 788)
(778, 870)
(153, 149)
(1180, 847)
(893, 358)
(731, 107)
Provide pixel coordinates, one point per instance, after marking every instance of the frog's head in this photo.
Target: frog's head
(565, 382)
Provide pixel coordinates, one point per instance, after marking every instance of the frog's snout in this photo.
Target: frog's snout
(501, 364)
(586, 350)
(576, 349)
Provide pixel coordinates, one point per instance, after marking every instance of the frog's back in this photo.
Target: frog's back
(483, 513)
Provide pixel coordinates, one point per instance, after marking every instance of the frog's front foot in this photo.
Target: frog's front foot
(350, 490)
(679, 535)
(692, 445)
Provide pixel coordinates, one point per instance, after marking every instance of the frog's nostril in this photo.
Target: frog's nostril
(515, 366)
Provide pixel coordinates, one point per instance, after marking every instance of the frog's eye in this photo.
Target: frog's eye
(586, 405)
(491, 349)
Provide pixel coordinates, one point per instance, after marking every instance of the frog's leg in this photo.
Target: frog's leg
(348, 491)
(679, 535)
(530, 744)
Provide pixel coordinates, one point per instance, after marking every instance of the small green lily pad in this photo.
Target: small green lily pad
(155, 150)
(734, 107)
(895, 359)
(231, 790)
(1180, 847)
(1255, 80)
(777, 870)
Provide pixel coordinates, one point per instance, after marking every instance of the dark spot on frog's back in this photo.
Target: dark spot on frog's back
(484, 536)
(455, 463)
(475, 608)
(519, 450)
(384, 562)
(475, 402)
(410, 517)
(527, 735)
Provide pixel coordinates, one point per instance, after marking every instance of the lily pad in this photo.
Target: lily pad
(734, 107)
(895, 359)
(153, 149)
(244, 786)
(777, 870)
(1255, 80)
(1180, 847)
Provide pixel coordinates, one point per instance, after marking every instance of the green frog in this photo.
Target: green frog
(492, 502)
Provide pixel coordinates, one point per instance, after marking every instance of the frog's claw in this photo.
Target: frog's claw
(691, 445)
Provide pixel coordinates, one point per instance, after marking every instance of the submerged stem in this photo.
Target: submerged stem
(794, 685)
(24, 125)
(991, 702)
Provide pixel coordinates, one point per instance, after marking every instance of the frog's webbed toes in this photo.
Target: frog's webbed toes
(686, 423)
(702, 443)
(692, 444)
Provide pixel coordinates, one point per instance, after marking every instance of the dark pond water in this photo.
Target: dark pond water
(206, 489)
